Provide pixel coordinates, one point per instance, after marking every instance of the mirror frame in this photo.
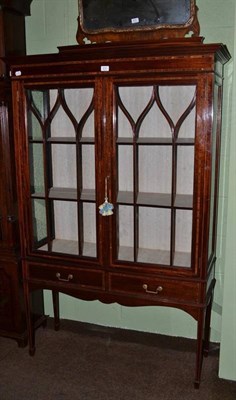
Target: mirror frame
(141, 33)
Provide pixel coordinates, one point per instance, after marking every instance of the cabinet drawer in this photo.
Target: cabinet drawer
(154, 287)
(67, 275)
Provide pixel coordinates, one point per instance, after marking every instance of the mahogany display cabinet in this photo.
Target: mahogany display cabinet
(12, 314)
(117, 153)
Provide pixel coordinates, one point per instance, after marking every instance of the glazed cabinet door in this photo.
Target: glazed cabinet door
(7, 197)
(154, 164)
(8, 200)
(4, 236)
(2, 211)
(60, 173)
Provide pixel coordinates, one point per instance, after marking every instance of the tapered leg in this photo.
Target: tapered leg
(207, 323)
(207, 328)
(56, 309)
(199, 356)
(29, 320)
(22, 342)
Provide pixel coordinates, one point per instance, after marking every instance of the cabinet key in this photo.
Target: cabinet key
(69, 278)
(158, 289)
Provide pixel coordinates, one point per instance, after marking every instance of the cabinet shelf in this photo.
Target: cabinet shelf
(67, 194)
(88, 195)
(150, 256)
(183, 201)
(155, 141)
(63, 194)
(69, 140)
(64, 140)
(71, 247)
(38, 195)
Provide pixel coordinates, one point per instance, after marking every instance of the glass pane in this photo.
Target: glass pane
(73, 113)
(154, 235)
(125, 168)
(63, 165)
(155, 125)
(187, 128)
(61, 125)
(34, 127)
(64, 235)
(39, 222)
(37, 101)
(142, 117)
(88, 167)
(36, 168)
(1, 229)
(79, 101)
(185, 170)
(125, 219)
(2, 200)
(88, 128)
(176, 99)
(89, 234)
(183, 238)
(132, 108)
(155, 171)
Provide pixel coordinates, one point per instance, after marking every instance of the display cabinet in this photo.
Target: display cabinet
(12, 315)
(117, 152)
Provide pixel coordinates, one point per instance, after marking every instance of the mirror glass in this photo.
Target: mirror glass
(133, 14)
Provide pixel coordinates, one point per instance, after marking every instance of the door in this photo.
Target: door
(153, 169)
(62, 138)
(3, 200)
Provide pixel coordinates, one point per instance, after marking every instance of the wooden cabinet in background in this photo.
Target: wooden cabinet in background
(117, 151)
(12, 314)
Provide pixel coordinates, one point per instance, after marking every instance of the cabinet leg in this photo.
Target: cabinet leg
(207, 324)
(29, 320)
(56, 309)
(199, 356)
(207, 329)
(22, 342)
(203, 335)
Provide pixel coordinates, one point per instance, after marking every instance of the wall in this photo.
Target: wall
(218, 23)
(53, 23)
(228, 334)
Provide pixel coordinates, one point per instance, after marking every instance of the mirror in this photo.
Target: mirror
(105, 20)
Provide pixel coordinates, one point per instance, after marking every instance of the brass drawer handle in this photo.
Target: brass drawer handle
(69, 278)
(158, 289)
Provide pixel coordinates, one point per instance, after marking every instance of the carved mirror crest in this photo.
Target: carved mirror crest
(119, 20)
